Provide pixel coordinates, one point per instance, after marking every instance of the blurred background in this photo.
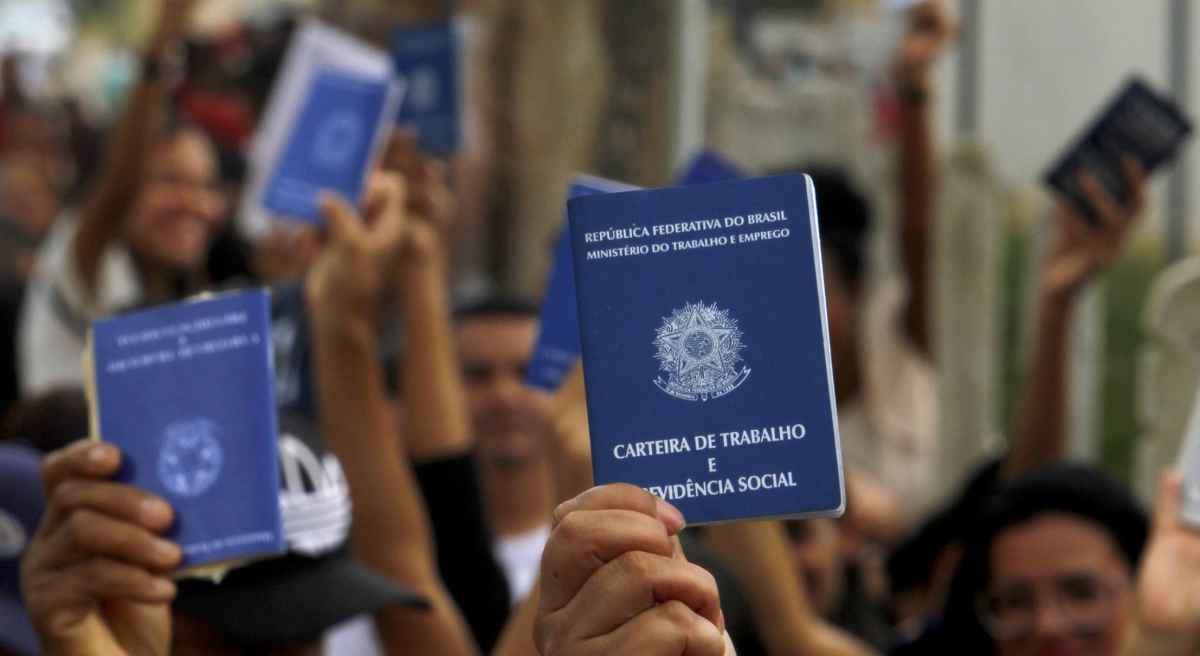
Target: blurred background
(630, 90)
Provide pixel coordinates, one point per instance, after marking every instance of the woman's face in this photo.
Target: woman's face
(180, 207)
(1059, 587)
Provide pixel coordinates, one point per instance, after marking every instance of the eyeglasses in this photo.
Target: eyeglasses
(1085, 602)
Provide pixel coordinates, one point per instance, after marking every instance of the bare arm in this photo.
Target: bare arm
(930, 29)
(127, 152)
(390, 530)
(757, 552)
(1078, 255)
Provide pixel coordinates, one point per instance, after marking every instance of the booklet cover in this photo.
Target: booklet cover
(1137, 122)
(186, 391)
(708, 166)
(330, 146)
(427, 56)
(324, 126)
(557, 345)
(706, 349)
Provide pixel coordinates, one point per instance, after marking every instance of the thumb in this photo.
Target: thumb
(341, 221)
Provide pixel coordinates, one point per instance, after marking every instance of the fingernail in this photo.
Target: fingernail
(167, 553)
(721, 620)
(100, 453)
(670, 516)
(155, 511)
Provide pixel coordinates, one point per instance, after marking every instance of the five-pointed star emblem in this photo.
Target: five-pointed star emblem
(690, 362)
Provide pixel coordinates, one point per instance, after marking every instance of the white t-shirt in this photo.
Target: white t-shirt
(57, 309)
(520, 556)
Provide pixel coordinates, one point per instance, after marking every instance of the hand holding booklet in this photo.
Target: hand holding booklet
(331, 107)
(186, 391)
(706, 349)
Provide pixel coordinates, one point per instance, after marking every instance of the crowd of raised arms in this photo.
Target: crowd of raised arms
(455, 503)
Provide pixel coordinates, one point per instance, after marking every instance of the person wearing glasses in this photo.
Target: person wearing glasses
(1049, 568)
(142, 234)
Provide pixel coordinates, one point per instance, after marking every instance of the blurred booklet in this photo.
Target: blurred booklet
(557, 345)
(332, 105)
(705, 347)
(187, 392)
(427, 57)
(1136, 122)
(708, 166)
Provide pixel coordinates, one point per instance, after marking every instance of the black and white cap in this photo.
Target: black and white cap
(317, 584)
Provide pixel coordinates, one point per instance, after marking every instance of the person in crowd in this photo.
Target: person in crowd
(1047, 568)
(141, 235)
(95, 572)
(495, 342)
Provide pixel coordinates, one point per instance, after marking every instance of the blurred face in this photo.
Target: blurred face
(841, 312)
(180, 207)
(505, 412)
(816, 549)
(1059, 588)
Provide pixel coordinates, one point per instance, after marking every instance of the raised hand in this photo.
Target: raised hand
(930, 29)
(94, 576)
(614, 581)
(348, 278)
(1168, 615)
(1081, 250)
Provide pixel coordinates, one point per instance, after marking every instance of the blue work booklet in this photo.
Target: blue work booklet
(427, 56)
(557, 346)
(186, 391)
(708, 166)
(706, 349)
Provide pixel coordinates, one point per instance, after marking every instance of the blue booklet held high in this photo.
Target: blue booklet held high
(557, 345)
(1138, 123)
(331, 144)
(427, 56)
(706, 349)
(186, 391)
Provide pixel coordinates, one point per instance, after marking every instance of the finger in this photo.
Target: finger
(83, 459)
(105, 578)
(638, 581)
(385, 203)
(622, 496)
(670, 629)
(116, 500)
(587, 539)
(87, 533)
(1166, 506)
(1108, 209)
(402, 151)
(1135, 177)
(342, 224)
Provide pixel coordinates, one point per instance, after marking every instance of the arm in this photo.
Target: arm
(127, 152)
(929, 31)
(1080, 252)
(390, 531)
(438, 422)
(757, 552)
(1167, 621)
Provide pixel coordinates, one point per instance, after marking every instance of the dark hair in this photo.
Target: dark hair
(495, 306)
(845, 217)
(1073, 489)
(50, 420)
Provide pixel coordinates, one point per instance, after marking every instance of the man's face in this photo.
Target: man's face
(1059, 587)
(505, 412)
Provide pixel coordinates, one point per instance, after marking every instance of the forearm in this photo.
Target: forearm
(390, 531)
(919, 181)
(125, 164)
(758, 554)
(437, 421)
(1041, 436)
(517, 639)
